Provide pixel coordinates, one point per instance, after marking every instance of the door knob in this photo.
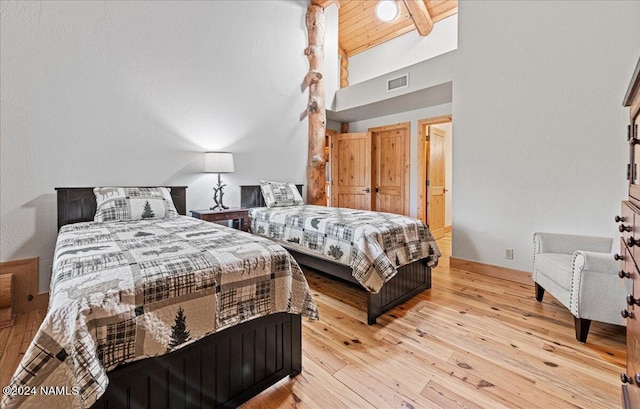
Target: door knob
(625, 378)
(624, 274)
(632, 301)
(619, 219)
(626, 314)
(622, 228)
(618, 257)
(633, 242)
(367, 190)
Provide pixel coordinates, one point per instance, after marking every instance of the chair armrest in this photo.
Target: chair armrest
(596, 291)
(603, 263)
(570, 243)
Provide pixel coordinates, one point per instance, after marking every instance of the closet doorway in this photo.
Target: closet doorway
(432, 181)
(370, 170)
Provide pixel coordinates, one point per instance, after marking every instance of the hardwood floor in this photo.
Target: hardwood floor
(471, 341)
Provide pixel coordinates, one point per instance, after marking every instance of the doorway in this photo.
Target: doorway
(370, 170)
(434, 201)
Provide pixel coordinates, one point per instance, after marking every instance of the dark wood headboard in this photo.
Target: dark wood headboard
(78, 204)
(251, 196)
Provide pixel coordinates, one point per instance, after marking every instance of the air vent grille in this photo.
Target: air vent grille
(398, 82)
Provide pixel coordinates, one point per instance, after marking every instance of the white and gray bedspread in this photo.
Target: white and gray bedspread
(373, 244)
(125, 291)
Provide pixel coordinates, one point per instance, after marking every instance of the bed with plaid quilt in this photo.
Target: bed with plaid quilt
(373, 244)
(124, 291)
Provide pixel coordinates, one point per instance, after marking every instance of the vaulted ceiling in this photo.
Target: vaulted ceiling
(359, 29)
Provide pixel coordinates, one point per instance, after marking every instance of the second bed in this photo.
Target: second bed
(389, 255)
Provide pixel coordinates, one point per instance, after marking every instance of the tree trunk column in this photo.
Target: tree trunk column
(316, 193)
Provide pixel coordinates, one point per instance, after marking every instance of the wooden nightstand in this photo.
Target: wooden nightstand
(240, 217)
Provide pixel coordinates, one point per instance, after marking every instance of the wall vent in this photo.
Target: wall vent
(398, 82)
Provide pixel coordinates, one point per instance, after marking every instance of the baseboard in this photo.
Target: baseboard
(25, 279)
(504, 273)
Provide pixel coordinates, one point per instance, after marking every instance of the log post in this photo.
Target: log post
(344, 69)
(316, 188)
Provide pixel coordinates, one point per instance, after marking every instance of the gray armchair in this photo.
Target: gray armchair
(581, 273)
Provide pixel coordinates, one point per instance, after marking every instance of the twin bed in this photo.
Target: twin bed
(216, 312)
(389, 255)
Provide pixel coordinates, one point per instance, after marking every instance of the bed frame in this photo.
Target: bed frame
(410, 280)
(222, 370)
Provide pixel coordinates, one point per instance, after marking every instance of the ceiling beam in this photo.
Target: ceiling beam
(420, 15)
(325, 3)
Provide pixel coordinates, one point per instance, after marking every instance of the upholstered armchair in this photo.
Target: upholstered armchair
(581, 273)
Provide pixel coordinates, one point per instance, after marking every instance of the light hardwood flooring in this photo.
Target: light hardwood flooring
(471, 341)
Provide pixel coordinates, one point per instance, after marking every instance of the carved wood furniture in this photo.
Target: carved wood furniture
(410, 280)
(629, 257)
(240, 217)
(222, 370)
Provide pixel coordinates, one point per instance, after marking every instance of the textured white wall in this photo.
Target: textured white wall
(403, 51)
(131, 93)
(331, 72)
(540, 133)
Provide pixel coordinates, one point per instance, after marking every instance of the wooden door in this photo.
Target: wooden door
(435, 178)
(390, 169)
(351, 170)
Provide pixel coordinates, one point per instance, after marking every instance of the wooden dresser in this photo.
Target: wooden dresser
(629, 256)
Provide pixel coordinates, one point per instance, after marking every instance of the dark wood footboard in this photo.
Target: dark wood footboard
(410, 280)
(222, 370)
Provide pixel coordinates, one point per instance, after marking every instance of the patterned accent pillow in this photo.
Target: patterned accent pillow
(133, 203)
(278, 194)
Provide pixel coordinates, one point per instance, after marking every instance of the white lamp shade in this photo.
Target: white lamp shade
(387, 10)
(218, 162)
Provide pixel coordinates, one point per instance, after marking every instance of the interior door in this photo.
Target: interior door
(435, 178)
(389, 170)
(351, 170)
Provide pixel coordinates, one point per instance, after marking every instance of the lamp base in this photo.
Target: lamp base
(217, 196)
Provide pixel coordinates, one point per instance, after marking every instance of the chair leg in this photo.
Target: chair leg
(539, 292)
(582, 328)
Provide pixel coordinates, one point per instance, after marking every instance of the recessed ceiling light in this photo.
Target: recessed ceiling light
(387, 10)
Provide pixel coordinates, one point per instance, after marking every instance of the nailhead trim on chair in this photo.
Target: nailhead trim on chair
(575, 285)
(536, 250)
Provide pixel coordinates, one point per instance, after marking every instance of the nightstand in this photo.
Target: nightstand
(240, 217)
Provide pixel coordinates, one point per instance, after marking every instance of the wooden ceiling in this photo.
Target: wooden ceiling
(359, 28)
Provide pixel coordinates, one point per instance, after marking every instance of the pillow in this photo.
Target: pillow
(133, 203)
(277, 194)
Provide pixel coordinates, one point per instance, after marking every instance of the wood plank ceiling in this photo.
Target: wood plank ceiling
(359, 29)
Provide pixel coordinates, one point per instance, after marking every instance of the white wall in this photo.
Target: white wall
(412, 117)
(331, 71)
(403, 51)
(540, 133)
(131, 93)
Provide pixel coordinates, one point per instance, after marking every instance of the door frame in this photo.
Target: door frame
(422, 177)
(407, 160)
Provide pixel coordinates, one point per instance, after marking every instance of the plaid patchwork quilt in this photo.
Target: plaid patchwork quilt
(124, 291)
(373, 244)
